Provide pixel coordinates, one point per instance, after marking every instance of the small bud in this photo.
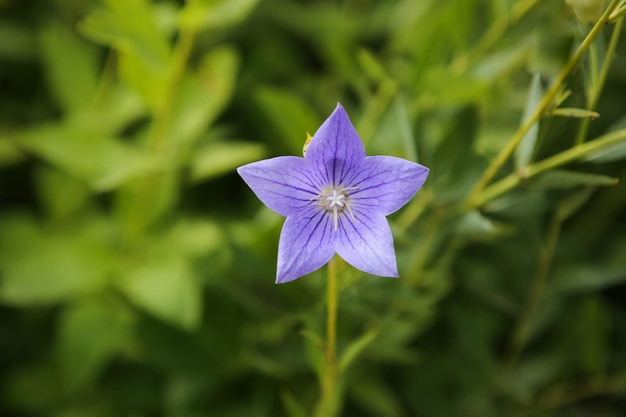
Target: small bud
(587, 11)
(308, 140)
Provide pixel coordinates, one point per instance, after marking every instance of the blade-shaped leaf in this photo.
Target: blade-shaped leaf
(73, 85)
(165, 287)
(104, 162)
(355, 348)
(201, 97)
(289, 114)
(90, 333)
(526, 149)
(40, 269)
(213, 15)
(567, 179)
(219, 158)
(574, 112)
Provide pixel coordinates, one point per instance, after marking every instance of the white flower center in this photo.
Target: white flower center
(335, 200)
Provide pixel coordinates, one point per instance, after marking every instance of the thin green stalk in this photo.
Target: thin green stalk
(328, 405)
(594, 96)
(512, 180)
(537, 290)
(547, 100)
(493, 34)
(177, 71)
(564, 394)
(142, 195)
(331, 319)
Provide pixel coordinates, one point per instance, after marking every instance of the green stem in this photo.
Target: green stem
(331, 319)
(597, 87)
(572, 154)
(537, 289)
(542, 107)
(176, 72)
(142, 196)
(328, 405)
(493, 34)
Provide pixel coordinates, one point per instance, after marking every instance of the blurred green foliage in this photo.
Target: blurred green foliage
(137, 270)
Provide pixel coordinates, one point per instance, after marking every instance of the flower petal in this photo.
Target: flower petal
(284, 184)
(385, 183)
(306, 244)
(336, 148)
(366, 243)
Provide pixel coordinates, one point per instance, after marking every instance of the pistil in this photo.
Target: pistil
(335, 200)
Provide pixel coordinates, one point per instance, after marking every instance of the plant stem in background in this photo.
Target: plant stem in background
(537, 289)
(547, 100)
(144, 194)
(512, 180)
(493, 34)
(176, 72)
(594, 96)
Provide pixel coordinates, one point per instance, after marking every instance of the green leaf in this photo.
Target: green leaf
(445, 87)
(130, 28)
(612, 153)
(526, 148)
(9, 153)
(474, 224)
(216, 159)
(40, 268)
(376, 396)
(148, 81)
(394, 134)
(355, 348)
(104, 162)
(567, 179)
(577, 278)
(60, 194)
(116, 107)
(73, 85)
(200, 98)
(293, 406)
(290, 115)
(195, 237)
(165, 287)
(19, 41)
(315, 353)
(571, 204)
(215, 14)
(90, 333)
(573, 112)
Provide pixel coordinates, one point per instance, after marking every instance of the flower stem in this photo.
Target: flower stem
(328, 405)
(331, 321)
(544, 104)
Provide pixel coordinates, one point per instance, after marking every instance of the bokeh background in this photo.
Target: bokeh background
(137, 270)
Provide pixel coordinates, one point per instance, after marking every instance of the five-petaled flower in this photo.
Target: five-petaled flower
(335, 200)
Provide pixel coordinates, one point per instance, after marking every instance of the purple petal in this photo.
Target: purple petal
(284, 184)
(366, 243)
(336, 148)
(306, 244)
(385, 184)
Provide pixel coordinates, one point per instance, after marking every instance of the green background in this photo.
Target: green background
(137, 270)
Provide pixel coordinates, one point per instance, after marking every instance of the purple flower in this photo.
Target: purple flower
(335, 200)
